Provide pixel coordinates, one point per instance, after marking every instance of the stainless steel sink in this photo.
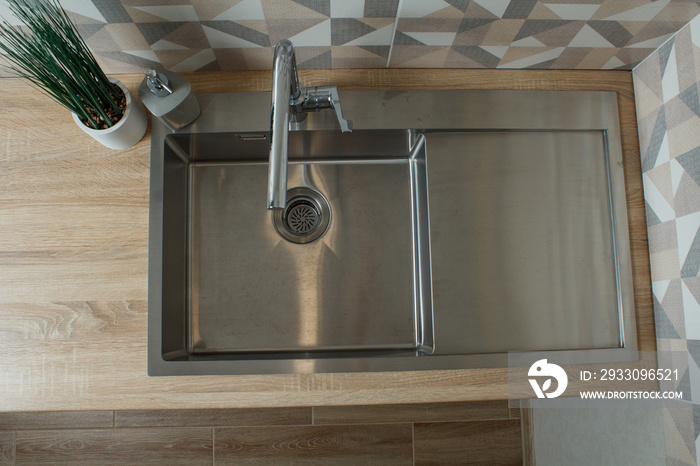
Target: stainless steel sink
(449, 228)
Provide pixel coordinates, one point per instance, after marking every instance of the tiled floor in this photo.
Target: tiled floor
(446, 433)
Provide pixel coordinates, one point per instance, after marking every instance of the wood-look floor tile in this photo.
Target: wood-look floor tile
(57, 420)
(7, 448)
(171, 446)
(411, 412)
(214, 417)
(494, 443)
(378, 444)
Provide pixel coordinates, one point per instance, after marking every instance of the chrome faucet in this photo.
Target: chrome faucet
(290, 102)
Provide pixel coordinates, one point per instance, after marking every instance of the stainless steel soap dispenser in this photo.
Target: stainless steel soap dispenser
(169, 97)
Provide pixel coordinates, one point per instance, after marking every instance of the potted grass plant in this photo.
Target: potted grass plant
(48, 51)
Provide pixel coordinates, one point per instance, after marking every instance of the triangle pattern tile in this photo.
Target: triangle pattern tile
(502, 32)
(319, 35)
(655, 33)
(561, 35)
(153, 32)
(532, 27)
(381, 8)
(692, 284)
(690, 97)
(687, 196)
(467, 24)
(519, 9)
(461, 5)
(438, 39)
(457, 60)
(647, 101)
(240, 31)
(171, 58)
(319, 62)
(221, 40)
(190, 35)
(138, 16)
(379, 50)
(344, 30)
(540, 11)
(198, 60)
(347, 8)
(86, 31)
(111, 10)
(380, 37)
(658, 203)
(496, 7)
(279, 29)
(139, 63)
(76, 18)
(377, 23)
(676, 446)
(683, 420)
(251, 10)
(421, 56)
(659, 289)
(589, 37)
(687, 233)
(684, 385)
(641, 13)
(244, 59)
(289, 10)
(657, 136)
(255, 25)
(479, 55)
(402, 39)
(661, 177)
(537, 59)
(664, 326)
(632, 26)
(90, 11)
(684, 137)
(691, 265)
(690, 161)
(652, 218)
(110, 66)
(612, 31)
(421, 8)
(475, 10)
(171, 12)
(678, 10)
(571, 57)
(207, 10)
(476, 36)
(672, 303)
(543, 65)
(677, 174)
(694, 350)
(213, 66)
(319, 6)
(645, 127)
(572, 11)
(696, 419)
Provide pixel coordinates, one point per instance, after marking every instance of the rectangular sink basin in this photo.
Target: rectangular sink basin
(251, 290)
(448, 229)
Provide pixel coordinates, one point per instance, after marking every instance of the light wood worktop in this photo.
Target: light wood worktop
(74, 259)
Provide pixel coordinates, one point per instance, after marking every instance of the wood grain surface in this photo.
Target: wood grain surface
(74, 260)
(493, 443)
(174, 446)
(373, 444)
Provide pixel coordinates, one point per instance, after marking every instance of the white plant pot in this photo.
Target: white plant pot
(129, 129)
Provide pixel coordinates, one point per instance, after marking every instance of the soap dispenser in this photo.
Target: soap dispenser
(169, 97)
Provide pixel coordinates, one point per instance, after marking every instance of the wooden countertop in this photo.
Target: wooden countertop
(74, 259)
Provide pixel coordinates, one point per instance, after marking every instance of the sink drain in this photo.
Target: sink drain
(306, 217)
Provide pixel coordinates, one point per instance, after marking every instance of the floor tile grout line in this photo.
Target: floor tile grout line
(413, 442)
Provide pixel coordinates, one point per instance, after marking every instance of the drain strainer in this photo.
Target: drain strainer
(306, 217)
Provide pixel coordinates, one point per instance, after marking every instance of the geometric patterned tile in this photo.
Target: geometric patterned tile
(560, 34)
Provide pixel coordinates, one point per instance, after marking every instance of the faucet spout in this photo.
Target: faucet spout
(285, 85)
(290, 100)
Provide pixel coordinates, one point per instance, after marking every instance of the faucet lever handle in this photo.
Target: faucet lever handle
(324, 98)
